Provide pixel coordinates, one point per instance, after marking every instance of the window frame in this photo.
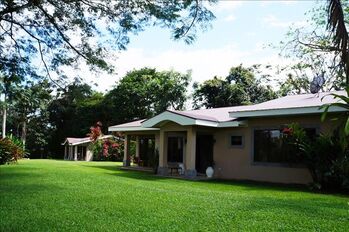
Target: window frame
(271, 164)
(236, 146)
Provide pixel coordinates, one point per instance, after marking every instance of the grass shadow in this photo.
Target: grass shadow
(247, 185)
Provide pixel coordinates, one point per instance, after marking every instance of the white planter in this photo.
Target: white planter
(209, 172)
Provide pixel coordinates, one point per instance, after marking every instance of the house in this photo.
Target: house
(78, 148)
(242, 142)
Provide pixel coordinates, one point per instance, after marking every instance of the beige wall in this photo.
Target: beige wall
(237, 163)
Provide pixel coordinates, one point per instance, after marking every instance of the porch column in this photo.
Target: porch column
(70, 148)
(126, 161)
(190, 156)
(137, 146)
(65, 152)
(75, 153)
(163, 169)
(157, 142)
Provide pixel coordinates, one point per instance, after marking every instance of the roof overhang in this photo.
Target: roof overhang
(131, 128)
(169, 116)
(284, 111)
(85, 141)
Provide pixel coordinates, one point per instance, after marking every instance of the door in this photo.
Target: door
(204, 152)
(175, 149)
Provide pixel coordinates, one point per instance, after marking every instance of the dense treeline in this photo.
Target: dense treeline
(42, 115)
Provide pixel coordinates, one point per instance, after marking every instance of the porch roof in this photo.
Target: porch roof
(131, 126)
(77, 141)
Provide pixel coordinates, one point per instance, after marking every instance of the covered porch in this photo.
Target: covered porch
(184, 143)
(77, 149)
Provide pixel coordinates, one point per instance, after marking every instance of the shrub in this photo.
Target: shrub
(326, 158)
(11, 150)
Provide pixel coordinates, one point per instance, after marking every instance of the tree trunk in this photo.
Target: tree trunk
(24, 132)
(4, 116)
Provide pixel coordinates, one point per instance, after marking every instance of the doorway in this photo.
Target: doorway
(175, 149)
(204, 152)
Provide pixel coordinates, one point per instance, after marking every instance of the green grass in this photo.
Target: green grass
(48, 195)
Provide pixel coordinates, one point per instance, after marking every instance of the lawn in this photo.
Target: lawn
(48, 195)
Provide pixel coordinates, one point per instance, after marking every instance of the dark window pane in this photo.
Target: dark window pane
(236, 140)
(272, 146)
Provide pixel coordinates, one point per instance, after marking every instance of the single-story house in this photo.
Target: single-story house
(78, 148)
(240, 142)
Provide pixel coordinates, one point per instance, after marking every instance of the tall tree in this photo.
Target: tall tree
(145, 92)
(9, 86)
(61, 33)
(321, 47)
(337, 23)
(240, 87)
(30, 101)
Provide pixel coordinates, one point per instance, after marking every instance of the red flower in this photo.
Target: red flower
(287, 131)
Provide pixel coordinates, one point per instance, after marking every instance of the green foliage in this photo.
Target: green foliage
(325, 158)
(98, 196)
(145, 92)
(240, 87)
(218, 93)
(11, 150)
(315, 50)
(343, 102)
(62, 33)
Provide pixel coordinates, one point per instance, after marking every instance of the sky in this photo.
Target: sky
(240, 34)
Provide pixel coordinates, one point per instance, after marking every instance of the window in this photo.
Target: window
(236, 141)
(273, 146)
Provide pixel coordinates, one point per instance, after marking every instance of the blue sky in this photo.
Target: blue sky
(240, 34)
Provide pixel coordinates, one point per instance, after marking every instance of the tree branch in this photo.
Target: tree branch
(12, 9)
(65, 39)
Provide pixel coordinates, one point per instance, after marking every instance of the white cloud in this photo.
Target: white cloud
(273, 21)
(230, 18)
(227, 5)
(204, 63)
(284, 2)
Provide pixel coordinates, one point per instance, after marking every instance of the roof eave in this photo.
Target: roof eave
(133, 128)
(285, 111)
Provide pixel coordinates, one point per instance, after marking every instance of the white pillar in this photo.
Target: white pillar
(65, 152)
(163, 168)
(75, 153)
(137, 146)
(190, 156)
(126, 161)
(70, 151)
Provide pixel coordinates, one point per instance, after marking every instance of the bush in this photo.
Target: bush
(11, 150)
(325, 156)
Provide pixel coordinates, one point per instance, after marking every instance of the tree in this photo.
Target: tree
(294, 85)
(337, 23)
(145, 92)
(30, 102)
(9, 85)
(240, 87)
(218, 93)
(72, 112)
(318, 48)
(61, 33)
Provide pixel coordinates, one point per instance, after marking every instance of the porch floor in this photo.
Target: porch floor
(137, 168)
(174, 176)
(183, 177)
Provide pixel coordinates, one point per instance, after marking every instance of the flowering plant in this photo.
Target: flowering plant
(103, 149)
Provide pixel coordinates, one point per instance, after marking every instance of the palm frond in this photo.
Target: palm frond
(336, 24)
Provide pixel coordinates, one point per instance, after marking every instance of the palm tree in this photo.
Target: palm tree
(336, 24)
